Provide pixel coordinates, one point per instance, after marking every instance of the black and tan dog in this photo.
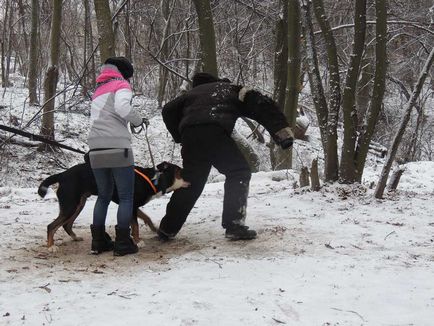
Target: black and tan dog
(78, 183)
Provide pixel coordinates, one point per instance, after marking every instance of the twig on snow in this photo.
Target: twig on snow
(352, 311)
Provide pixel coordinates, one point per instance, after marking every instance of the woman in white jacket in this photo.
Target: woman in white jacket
(111, 156)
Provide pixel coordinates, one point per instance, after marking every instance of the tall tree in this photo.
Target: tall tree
(206, 36)
(376, 103)
(315, 80)
(51, 77)
(167, 8)
(287, 72)
(105, 29)
(33, 54)
(331, 164)
(347, 169)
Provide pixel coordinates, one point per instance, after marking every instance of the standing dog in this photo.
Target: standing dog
(78, 183)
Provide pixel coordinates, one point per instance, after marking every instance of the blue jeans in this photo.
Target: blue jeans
(106, 180)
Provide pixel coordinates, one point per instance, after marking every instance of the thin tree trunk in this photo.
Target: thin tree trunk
(105, 29)
(379, 191)
(331, 168)
(206, 36)
(22, 12)
(166, 10)
(281, 55)
(90, 73)
(5, 77)
(378, 90)
(281, 159)
(50, 82)
(315, 82)
(293, 82)
(347, 170)
(33, 54)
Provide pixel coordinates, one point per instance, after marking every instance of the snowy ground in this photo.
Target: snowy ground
(335, 257)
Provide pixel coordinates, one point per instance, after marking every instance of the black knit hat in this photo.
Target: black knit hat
(203, 78)
(123, 64)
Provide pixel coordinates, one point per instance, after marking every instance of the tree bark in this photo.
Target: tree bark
(378, 90)
(33, 54)
(379, 191)
(315, 82)
(331, 166)
(347, 169)
(105, 29)
(281, 55)
(314, 176)
(166, 10)
(206, 36)
(50, 82)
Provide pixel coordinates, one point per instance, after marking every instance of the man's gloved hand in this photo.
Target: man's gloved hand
(284, 138)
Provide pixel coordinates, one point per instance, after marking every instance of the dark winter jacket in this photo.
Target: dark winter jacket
(222, 103)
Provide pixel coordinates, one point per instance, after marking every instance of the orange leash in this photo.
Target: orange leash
(144, 176)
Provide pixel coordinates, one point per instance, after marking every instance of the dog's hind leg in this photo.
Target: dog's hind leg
(67, 226)
(51, 229)
(135, 227)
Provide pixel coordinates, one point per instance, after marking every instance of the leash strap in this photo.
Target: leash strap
(39, 138)
(144, 176)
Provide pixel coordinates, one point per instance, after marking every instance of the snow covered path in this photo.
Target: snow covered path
(326, 258)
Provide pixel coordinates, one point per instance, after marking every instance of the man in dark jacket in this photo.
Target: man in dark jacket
(202, 120)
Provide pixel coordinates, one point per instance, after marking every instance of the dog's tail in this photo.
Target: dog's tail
(43, 187)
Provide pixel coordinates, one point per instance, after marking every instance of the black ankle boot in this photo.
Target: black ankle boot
(124, 245)
(240, 232)
(101, 241)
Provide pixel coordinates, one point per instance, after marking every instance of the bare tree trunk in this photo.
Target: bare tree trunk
(10, 40)
(166, 10)
(105, 29)
(378, 91)
(347, 171)
(304, 177)
(314, 176)
(50, 82)
(281, 55)
(394, 179)
(5, 76)
(24, 68)
(331, 168)
(292, 71)
(315, 82)
(33, 54)
(88, 47)
(379, 191)
(206, 36)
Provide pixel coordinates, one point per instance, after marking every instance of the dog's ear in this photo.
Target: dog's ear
(162, 166)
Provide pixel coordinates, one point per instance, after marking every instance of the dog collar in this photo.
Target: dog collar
(144, 176)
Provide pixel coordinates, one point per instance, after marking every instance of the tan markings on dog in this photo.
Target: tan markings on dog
(58, 222)
(143, 216)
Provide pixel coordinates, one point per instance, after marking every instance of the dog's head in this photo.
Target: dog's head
(170, 174)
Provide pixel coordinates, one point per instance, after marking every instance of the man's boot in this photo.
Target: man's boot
(124, 245)
(239, 232)
(101, 241)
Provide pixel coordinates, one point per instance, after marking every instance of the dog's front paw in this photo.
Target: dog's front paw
(141, 243)
(77, 238)
(53, 249)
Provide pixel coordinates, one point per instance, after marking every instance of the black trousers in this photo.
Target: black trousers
(205, 146)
